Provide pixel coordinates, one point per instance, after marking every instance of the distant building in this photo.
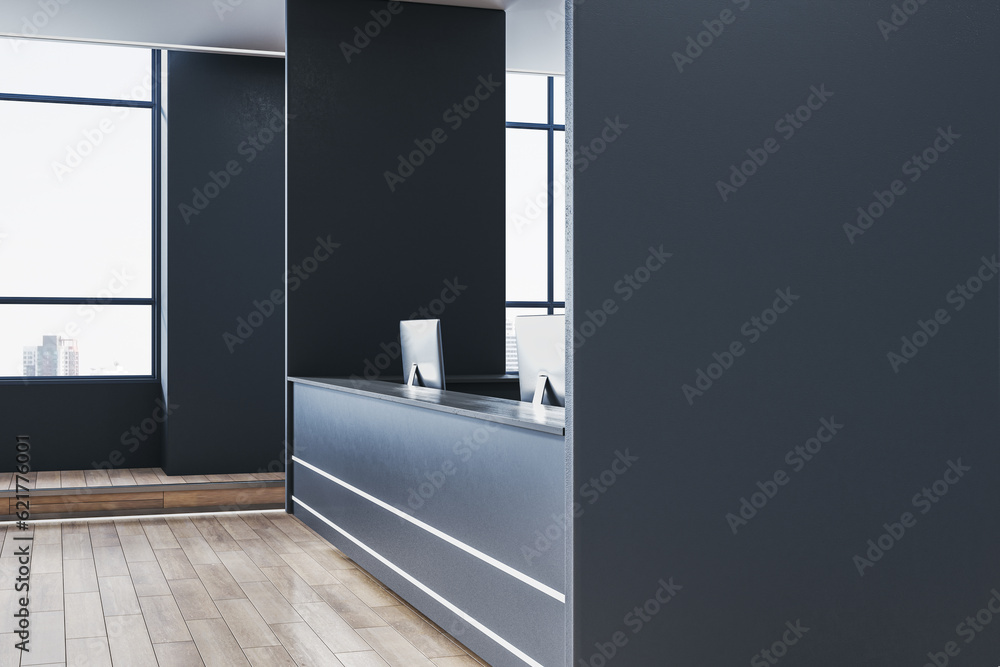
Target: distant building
(30, 361)
(510, 363)
(69, 357)
(55, 356)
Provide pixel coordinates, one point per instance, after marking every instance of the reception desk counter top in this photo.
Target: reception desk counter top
(544, 418)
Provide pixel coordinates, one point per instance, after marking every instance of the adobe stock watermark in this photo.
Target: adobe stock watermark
(958, 297)
(454, 116)
(557, 19)
(752, 329)
(914, 168)
(587, 154)
(535, 208)
(93, 137)
(924, 500)
(292, 280)
(635, 621)
(21, 508)
(217, 181)
(592, 491)
(968, 629)
(779, 648)
(627, 287)
(373, 368)
(87, 312)
(30, 25)
(363, 35)
(898, 17)
(223, 7)
(714, 28)
(787, 126)
(796, 458)
(434, 480)
(137, 435)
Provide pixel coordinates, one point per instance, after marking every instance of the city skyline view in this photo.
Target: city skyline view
(55, 356)
(110, 340)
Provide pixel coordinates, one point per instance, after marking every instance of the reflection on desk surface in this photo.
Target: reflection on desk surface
(546, 418)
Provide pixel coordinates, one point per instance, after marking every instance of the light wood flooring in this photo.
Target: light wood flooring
(82, 479)
(250, 589)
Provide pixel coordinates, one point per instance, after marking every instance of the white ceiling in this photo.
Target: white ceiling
(235, 26)
(535, 32)
(536, 36)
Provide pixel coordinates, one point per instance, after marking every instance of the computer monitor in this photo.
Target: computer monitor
(541, 358)
(423, 360)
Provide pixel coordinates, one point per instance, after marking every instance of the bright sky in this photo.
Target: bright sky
(75, 202)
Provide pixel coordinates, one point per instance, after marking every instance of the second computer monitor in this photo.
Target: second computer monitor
(541, 358)
(423, 359)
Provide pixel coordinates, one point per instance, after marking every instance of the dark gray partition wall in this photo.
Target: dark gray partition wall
(807, 385)
(396, 199)
(225, 264)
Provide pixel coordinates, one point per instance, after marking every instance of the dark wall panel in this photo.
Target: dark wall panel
(81, 426)
(430, 238)
(746, 151)
(225, 263)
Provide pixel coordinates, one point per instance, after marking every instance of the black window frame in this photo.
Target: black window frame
(550, 127)
(154, 105)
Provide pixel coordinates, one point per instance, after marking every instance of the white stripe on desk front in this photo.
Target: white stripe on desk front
(503, 567)
(451, 607)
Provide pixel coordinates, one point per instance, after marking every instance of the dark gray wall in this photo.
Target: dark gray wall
(225, 263)
(400, 248)
(824, 358)
(81, 426)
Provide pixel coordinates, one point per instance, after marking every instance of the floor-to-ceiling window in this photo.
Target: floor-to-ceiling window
(536, 213)
(78, 210)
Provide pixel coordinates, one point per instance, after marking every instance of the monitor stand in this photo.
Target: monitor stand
(540, 387)
(414, 377)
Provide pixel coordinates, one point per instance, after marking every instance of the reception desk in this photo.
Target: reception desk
(454, 501)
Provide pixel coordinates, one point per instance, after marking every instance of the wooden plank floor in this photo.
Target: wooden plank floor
(255, 589)
(76, 479)
(89, 493)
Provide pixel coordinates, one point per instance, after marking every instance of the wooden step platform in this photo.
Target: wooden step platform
(92, 493)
